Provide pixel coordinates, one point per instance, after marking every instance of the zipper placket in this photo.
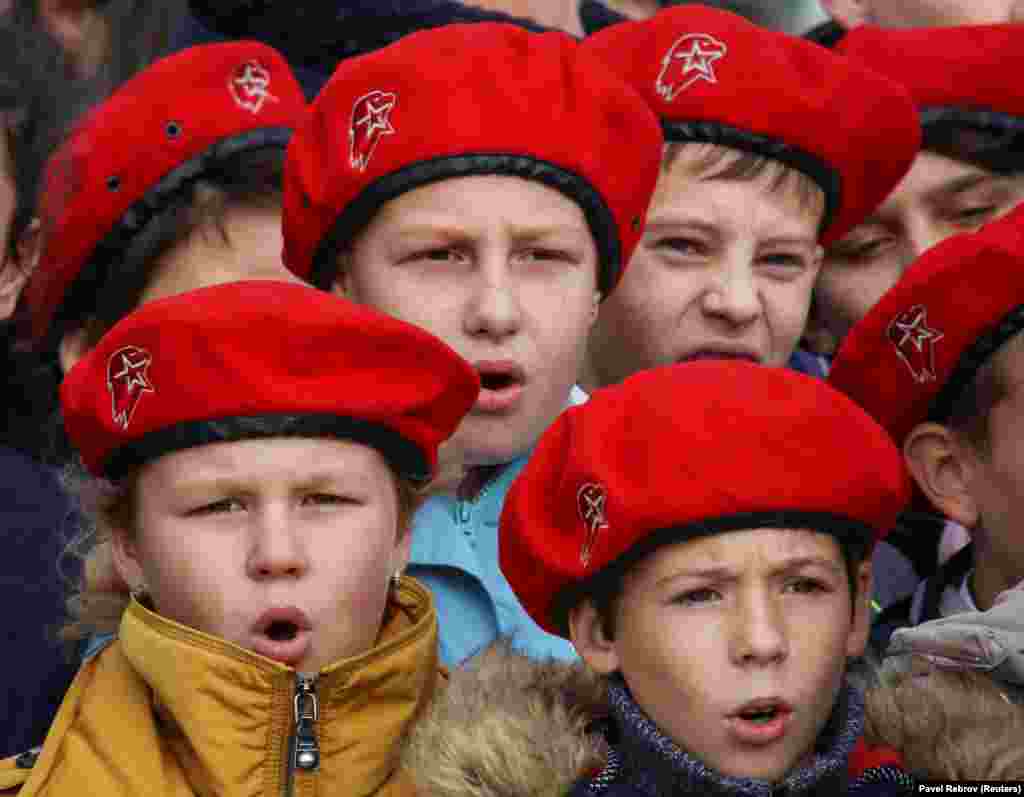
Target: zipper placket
(463, 507)
(305, 747)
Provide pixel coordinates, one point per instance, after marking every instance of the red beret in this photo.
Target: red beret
(689, 450)
(482, 98)
(208, 365)
(132, 154)
(713, 76)
(911, 356)
(969, 73)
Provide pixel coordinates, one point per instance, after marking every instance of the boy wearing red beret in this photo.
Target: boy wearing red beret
(755, 179)
(970, 170)
(254, 452)
(170, 184)
(473, 194)
(937, 361)
(716, 589)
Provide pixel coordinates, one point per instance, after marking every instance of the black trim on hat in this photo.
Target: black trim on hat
(357, 214)
(80, 298)
(854, 536)
(404, 455)
(973, 357)
(828, 179)
(991, 139)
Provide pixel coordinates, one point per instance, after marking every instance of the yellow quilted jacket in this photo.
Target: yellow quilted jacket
(169, 711)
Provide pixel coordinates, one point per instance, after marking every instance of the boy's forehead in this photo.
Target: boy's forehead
(687, 164)
(743, 550)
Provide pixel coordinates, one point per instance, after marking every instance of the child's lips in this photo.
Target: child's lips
(287, 651)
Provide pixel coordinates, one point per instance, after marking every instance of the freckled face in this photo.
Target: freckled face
(709, 625)
(228, 531)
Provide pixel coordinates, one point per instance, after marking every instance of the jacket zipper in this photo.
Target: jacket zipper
(463, 507)
(305, 751)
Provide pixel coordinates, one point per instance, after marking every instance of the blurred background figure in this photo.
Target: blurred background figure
(923, 13)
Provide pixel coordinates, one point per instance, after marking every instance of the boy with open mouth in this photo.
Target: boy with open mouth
(255, 451)
(465, 179)
(714, 578)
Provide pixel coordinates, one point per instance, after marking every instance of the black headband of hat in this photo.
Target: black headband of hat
(358, 213)
(80, 300)
(992, 140)
(973, 357)
(403, 455)
(854, 536)
(823, 175)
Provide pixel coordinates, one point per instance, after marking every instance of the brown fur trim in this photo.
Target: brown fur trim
(509, 726)
(948, 725)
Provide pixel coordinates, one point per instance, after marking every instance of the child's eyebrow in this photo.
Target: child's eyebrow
(718, 573)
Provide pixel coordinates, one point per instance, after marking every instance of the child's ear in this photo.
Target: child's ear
(125, 557)
(943, 468)
(857, 641)
(586, 631)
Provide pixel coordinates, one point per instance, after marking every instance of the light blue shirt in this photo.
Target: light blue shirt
(455, 554)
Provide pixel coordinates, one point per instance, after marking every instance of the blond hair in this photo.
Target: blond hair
(948, 725)
(96, 602)
(706, 161)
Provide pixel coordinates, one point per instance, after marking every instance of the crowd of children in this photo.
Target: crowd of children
(482, 410)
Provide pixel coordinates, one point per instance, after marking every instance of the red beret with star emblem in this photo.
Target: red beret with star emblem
(461, 100)
(129, 157)
(263, 359)
(713, 76)
(684, 451)
(910, 358)
(965, 81)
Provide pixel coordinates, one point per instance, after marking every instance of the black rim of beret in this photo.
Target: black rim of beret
(81, 298)
(823, 175)
(404, 455)
(358, 213)
(973, 357)
(991, 139)
(853, 535)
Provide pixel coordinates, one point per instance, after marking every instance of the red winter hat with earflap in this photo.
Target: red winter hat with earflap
(136, 152)
(462, 100)
(685, 451)
(713, 76)
(911, 357)
(264, 359)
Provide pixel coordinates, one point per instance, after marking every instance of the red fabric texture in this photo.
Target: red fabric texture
(899, 356)
(482, 88)
(864, 758)
(259, 348)
(688, 444)
(162, 118)
(695, 63)
(972, 67)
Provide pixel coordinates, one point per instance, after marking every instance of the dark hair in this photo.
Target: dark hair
(970, 411)
(607, 589)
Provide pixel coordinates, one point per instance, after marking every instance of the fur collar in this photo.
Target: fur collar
(510, 726)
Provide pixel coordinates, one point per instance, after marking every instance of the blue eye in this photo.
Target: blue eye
(223, 506)
(696, 597)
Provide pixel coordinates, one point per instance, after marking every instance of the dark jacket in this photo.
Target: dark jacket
(35, 518)
(925, 602)
(316, 37)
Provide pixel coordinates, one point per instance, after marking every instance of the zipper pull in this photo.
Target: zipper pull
(307, 712)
